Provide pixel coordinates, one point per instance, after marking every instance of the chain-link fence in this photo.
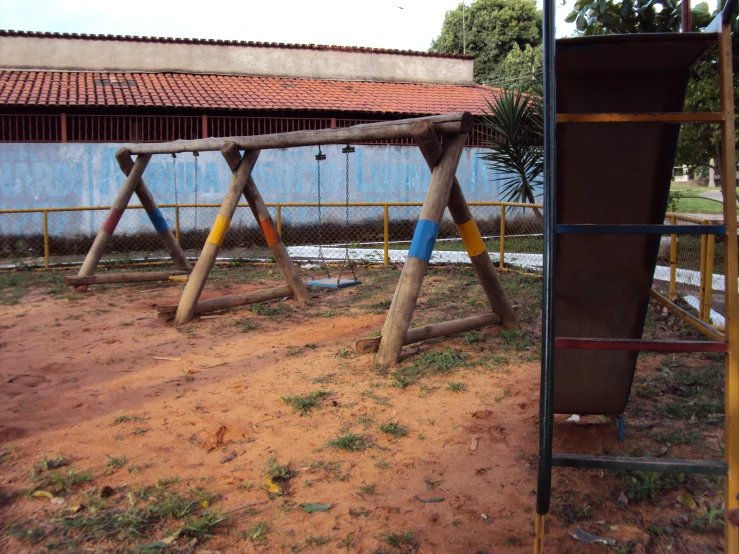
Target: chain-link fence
(690, 271)
(689, 266)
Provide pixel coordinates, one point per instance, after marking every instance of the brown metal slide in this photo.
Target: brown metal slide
(612, 173)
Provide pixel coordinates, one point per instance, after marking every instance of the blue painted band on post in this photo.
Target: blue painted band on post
(160, 224)
(424, 238)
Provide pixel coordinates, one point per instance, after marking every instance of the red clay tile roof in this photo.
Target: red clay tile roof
(222, 92)
(82, 36)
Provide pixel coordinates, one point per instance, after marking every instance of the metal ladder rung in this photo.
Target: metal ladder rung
(641, 345)
(657, 117)
(597, 229)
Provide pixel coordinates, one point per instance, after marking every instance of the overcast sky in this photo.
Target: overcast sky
(373, 23)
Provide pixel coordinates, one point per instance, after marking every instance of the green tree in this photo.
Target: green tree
(604, 17)
(492, 28)
(521, 70)
(698, 145)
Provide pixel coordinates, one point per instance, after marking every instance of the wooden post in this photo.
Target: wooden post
(271, 235)
(63, 124)
(432, 331)
(116, 211)
(431, 149)
(155, 215)
(731, 257)
(109, 278)
(409, 285)
(195, 284)
(225, 302)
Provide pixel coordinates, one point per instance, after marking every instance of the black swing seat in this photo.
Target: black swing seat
(334, 283)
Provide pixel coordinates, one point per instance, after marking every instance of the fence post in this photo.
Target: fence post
(177, 222)
(702, 294)
(386, 235)
(204, 127)
(673, 261)
(46, 239)
(63, 127)
(707, 276)
(502, 237)
(279, 219)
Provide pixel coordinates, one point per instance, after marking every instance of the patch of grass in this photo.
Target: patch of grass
(351, 442)
(310, 540)
(127, 323)
(428, 364)
(255, 533)
(645, 485)
(47, 463)
(187, 375)
(379, 400)
(325, 379)
(294, 350)
(247, 326)
(345, 353)
(400, 540)
(114, 464)
(515, 339)
(304, 404)
(474, 337)
(267, 310)
(691, 411)
(73, 316)
(456, 387)
(393, 428)
(26, 531)
(382, 463)
(140, 431)
(369, 489)
(677, 436)
(279, 472)
(127, 418)
(143, 513)
(59, 481)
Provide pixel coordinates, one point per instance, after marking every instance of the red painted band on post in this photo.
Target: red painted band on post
(270, 231)
(638, 344)
(112, 222)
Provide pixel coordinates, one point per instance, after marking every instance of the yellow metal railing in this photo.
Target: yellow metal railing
(706, 262)
(278, 208)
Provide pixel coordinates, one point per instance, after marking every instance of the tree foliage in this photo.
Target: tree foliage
(521, 70)
(492, 29)
(516, 122)
(698, 144)
(633, 16)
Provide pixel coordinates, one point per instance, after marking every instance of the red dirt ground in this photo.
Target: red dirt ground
(71, 365)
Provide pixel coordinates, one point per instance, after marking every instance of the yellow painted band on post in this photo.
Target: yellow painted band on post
(471, 238)
(218, 232)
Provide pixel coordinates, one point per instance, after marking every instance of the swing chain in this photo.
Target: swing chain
(195, 155)
(347, 259)
(319, 158)
(174, 172)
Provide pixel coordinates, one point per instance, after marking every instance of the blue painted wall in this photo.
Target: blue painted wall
(70, 175)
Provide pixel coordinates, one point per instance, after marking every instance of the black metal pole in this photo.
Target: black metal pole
(546, 411)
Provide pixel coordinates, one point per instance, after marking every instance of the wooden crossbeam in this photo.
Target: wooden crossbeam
(167, 312)
(111, 278)
(433, 331)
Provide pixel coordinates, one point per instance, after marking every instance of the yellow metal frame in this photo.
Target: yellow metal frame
(278, 206)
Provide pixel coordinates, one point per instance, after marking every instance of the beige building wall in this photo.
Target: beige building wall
(79, 54)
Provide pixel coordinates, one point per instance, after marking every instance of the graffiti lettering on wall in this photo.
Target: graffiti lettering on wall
(72, 175)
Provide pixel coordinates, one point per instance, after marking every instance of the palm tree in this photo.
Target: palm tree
(516, 124)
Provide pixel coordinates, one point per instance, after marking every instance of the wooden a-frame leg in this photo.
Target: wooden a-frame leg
(409, 285)
(116, 211)
(196, 282)
(269, 230)
(155, 215)
(430, 147)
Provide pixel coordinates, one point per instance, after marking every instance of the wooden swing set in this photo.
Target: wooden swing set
(443, 191)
